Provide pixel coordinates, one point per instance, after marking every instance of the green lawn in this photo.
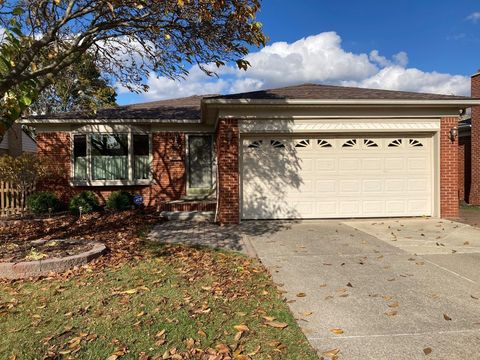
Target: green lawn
(180, 302)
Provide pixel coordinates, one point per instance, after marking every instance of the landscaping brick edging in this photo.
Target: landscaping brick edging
(22, 270)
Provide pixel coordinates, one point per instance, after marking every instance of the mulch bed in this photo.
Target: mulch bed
(119, 231)
(33, 251)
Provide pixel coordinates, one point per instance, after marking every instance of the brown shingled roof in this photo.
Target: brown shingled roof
(330, 92)
(188, 108)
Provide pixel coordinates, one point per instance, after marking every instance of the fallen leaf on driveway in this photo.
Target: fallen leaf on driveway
(331, 353)
(391, 312)
(474, 297)
(394, 304)
(276, 324)
(336, 331)
(349, 285)
(427, 351)
(301, 294)
(446, 317)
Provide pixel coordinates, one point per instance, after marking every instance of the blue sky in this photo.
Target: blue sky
(430, 46)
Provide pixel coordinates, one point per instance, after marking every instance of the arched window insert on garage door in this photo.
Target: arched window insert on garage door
(350, 143)
(415, 143)
(324, 143)
(302, 143)
(255, 144)
(277, 144)
(395, 143)
(370, 143)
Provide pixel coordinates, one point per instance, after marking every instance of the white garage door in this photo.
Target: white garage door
(336, 177)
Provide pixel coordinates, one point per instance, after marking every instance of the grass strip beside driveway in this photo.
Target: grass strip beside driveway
(177, 302)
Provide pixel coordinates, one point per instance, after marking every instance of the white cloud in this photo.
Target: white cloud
(474, 17)
(315, 59)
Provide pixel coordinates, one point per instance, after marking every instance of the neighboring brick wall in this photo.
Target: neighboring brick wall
(449, 205)
(464, 168)
(227, 147)
(55, 147)
(168, 168)
(474, 197)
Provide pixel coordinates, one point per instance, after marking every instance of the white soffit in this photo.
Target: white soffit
(249, 126)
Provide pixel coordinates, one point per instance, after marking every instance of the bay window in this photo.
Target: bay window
(111, 159)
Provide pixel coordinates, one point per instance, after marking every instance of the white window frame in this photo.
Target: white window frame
(128, 182)
(195, 192)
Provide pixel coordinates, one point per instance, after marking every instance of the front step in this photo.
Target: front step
(188, 215)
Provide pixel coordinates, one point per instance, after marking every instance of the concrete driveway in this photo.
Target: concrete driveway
(395, 289)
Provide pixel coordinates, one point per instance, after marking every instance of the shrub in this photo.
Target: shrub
(120, 200)
(23, 171)
(87, 200)
(40, 202)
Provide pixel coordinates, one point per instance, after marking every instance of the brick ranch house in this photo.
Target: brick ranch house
(308, 151)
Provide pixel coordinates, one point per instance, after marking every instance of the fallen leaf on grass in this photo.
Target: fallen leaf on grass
(276, 324)
(446, 317)
(427, 351)
(336, 331)
(126, 292)
(254, 352)
(241, 328)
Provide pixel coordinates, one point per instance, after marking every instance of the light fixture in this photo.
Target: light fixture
(453, 134)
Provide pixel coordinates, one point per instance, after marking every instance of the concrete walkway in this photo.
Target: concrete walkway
(397, 289)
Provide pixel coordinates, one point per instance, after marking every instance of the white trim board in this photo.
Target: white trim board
(252, 126)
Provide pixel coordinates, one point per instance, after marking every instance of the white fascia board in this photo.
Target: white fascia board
(341, 102)
(31, 121)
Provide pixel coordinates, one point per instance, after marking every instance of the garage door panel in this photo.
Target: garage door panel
(350, 187)
(349, 208)
(418, 184)
(373, 207)
(372, 186)
(395, 163)
(395, 207)
(326, 208)
(349, 164)
(325, 187)
(325, 177)
(418, 163)
(326, 165)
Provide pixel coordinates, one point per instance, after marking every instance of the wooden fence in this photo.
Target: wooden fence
(12, 201)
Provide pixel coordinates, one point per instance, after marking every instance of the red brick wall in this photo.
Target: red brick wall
(464, 168)
(168, 168)
(55, 146)
(474, 198)
(227, 147)
(449, 206)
